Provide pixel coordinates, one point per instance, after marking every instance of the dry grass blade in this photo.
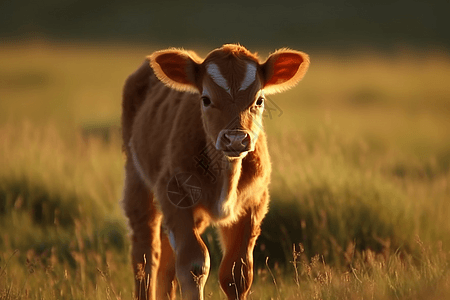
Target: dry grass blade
(273, 278)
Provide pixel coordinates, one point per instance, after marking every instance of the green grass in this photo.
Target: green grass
(361, 178)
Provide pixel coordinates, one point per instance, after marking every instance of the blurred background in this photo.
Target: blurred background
(360, 148)
(267, 24)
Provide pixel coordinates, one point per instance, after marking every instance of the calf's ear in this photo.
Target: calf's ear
(283, 70)
(176, 68)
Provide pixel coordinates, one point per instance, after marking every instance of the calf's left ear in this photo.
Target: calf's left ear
(283, 70)
(176, 68)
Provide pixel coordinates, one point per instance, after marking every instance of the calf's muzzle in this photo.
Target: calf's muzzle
(233, 142)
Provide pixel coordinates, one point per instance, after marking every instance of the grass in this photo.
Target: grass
(360, 189)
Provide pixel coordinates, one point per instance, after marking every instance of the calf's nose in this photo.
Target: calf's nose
(233, 141)
(236, 140)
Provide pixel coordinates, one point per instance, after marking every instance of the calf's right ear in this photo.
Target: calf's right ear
(283, 70)
(176, 68)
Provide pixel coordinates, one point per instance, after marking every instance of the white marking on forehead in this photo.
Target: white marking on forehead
(214, 72)
(250, 76)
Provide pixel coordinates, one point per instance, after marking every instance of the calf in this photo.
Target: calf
(197, 154)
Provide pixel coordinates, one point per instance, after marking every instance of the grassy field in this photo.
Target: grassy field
(360, 190)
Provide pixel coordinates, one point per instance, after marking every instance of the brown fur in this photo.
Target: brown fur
(164, 130)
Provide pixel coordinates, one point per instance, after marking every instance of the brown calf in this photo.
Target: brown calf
(196, 154)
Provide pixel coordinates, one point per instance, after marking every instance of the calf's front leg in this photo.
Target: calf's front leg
(167, 283)
(192, 257)
(238, 241)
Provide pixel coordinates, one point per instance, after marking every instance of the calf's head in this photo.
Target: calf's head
(232, 84)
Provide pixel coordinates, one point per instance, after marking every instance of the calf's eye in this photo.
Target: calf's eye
(260, 101)
(206, 101)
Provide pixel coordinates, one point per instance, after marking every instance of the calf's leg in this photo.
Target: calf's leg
(166, 287)
(145, 222)
(192, 262)
(238, 241)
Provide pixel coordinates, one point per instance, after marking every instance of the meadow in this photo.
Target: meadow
(360, 191)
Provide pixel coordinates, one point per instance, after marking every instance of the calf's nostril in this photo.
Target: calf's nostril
(246, 140)
(226, 139)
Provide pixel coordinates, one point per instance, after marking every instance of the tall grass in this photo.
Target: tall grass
(360, 187)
